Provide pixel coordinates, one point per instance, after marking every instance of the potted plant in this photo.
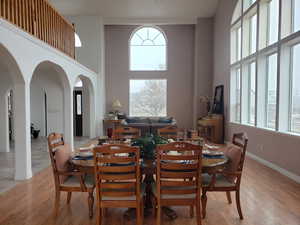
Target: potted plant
(148, 145)
(34, 133)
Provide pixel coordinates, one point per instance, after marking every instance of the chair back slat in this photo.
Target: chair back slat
(168, 132)
(179, 169)
(179, 192)
(126, 133)
(177, 174)
(117, 171)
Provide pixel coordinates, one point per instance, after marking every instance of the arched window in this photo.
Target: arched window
(148, 50)
(265, 51)
(78, 43)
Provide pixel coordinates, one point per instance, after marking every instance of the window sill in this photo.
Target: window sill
(285, 133)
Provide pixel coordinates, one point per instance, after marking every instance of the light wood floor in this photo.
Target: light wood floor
(268, 198)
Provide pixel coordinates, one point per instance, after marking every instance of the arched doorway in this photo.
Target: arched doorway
(84, 107)
(50, 98)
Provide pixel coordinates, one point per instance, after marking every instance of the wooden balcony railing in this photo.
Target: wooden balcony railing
(40, 19)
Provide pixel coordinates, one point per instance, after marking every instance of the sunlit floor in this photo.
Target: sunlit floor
(40, 161)
(267, 198)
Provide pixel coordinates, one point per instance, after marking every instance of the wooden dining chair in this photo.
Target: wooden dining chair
(118, 179)
(178, 177)
(126, 133)
(168, 132)
(229, 179)
(66, 179)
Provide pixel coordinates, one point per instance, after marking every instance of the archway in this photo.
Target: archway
(50, 97)
(84, 107)
(17, 155)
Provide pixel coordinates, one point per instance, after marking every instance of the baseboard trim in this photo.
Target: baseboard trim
(273, 166)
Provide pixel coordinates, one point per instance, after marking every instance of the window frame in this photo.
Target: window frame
(285, 40)
(129, 48)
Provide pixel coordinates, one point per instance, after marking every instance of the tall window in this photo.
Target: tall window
(271, 91)
(252, 93)
(295, 93)
(148, 98)
(236, 95)
(296, 15)
(148, 50)
(268, 82)
(253, 27)
(273, 21)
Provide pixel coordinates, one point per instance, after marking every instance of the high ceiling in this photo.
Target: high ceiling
(176, 10)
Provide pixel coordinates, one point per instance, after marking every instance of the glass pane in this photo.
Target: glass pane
(271, 91)
(136, 40)
(239, 43)
(295, 107)
(78, 102)
(148, 98)
(253, 24)
(273, 21)
(148, 58)
(247, 4)
(296, 15)
(238, 96)
(252, 92)
(237, 11)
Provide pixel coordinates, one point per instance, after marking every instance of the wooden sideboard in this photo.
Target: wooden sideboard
(212, 127)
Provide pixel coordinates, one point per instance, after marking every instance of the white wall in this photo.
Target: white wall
(23, 53)
(91, 32)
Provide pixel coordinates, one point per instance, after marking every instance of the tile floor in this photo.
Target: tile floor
(40, 161)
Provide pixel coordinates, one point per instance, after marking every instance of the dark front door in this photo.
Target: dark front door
(78, 113)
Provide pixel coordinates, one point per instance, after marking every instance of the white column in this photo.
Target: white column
(22, 132)
(4, 131)
(68, 117)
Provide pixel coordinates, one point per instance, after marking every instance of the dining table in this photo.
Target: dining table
(209, 165)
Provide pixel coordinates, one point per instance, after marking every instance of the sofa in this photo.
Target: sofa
(149, 125)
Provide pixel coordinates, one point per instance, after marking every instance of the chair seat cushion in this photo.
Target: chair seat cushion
(167, 196)
(221, 181)
(74, 181)
(127, 198)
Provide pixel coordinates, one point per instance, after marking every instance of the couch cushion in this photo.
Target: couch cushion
(62, 157)
(137, 120)
(165, 120)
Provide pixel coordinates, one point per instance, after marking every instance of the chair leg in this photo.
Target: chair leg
(204, 202)
(238, 204)
(191, 211)
(198, 212)
(99, 215)
(57, 201)
(138, 214)
(158, 215)
(228, 197)
(91, 204)
(69, 197)
(142, 212)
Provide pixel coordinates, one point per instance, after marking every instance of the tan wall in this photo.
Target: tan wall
(180, 74)
(280, 149)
